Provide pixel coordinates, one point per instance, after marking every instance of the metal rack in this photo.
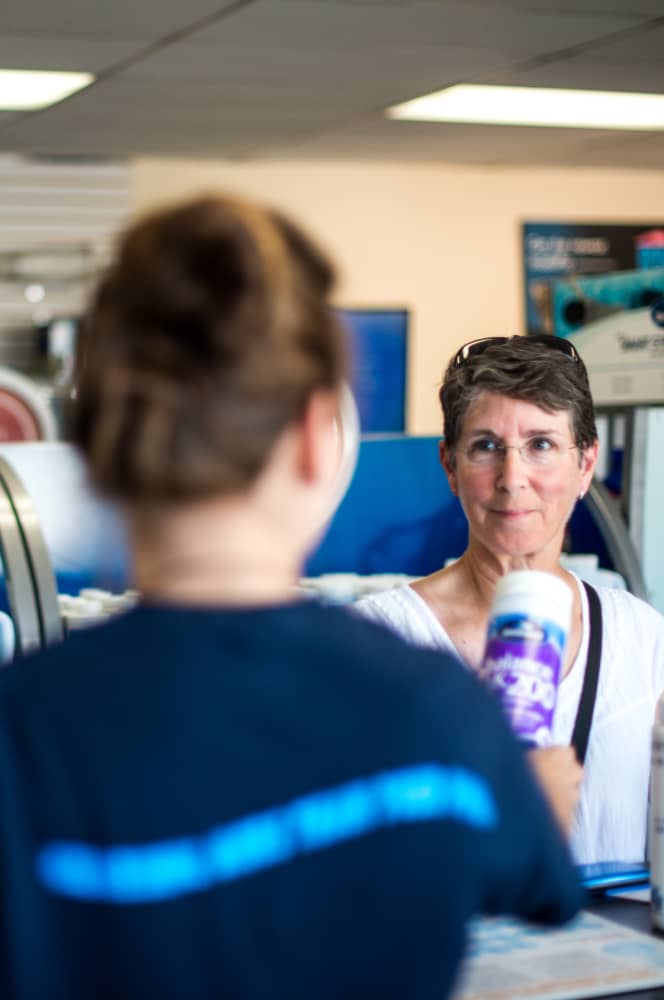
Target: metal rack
(29, 578)
(607, 514)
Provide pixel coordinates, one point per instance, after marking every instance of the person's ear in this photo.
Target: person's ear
(319, 453)
(588, 461)
(449, 465)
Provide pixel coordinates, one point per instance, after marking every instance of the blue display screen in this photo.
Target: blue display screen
(378, 346)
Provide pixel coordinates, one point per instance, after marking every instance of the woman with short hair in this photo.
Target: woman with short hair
(519, 450)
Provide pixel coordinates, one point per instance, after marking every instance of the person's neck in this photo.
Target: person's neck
(213, 554)
(482, 570)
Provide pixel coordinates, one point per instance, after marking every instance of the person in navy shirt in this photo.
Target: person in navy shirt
(233, 791)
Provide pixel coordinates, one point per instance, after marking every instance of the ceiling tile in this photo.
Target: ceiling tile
(290, 24)
(578, 76)
(117, 19)
(91, 55)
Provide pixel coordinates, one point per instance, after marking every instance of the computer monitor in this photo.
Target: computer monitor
(378, 345)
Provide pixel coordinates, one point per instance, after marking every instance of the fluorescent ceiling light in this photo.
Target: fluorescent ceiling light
(542, 106)
(29, 90)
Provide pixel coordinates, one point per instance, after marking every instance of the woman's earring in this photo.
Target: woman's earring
(581, 495)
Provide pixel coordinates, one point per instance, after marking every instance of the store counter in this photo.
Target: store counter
(636, 916)
(609, 950)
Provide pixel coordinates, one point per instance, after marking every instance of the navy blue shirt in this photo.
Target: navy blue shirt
(283, 802)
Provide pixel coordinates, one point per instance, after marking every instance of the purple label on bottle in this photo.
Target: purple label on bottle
(522, 663)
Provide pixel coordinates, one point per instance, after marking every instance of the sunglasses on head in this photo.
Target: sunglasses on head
(477, 347)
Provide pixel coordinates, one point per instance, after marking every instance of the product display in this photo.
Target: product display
(524, 652)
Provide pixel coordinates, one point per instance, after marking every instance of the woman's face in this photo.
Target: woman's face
(517, 507)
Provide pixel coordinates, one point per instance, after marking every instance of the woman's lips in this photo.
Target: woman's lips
(511, 514)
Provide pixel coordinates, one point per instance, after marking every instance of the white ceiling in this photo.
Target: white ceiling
(311, 78)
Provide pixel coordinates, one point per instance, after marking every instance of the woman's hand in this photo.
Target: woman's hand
(559, 773)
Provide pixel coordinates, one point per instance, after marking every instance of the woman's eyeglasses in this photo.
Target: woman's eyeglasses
(540, 451)
(477, 347)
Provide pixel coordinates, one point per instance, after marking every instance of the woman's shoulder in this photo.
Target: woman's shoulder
(633, 629)
(403, 611)
(623, 606)
(394, 602)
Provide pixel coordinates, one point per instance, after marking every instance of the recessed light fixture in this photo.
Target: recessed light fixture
(30, 90)
(542, 106)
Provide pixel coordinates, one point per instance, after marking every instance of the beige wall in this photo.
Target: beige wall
(440, 241)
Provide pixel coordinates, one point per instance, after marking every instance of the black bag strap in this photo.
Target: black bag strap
(584, 715)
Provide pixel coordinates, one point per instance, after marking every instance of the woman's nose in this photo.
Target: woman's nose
(513, 470)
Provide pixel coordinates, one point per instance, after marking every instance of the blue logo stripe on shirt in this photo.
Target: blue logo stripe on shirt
(145, 873)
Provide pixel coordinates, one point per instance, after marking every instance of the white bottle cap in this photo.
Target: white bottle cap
(532, 591)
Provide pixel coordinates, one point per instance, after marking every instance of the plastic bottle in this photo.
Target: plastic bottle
(656, 824)
(523, 658)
